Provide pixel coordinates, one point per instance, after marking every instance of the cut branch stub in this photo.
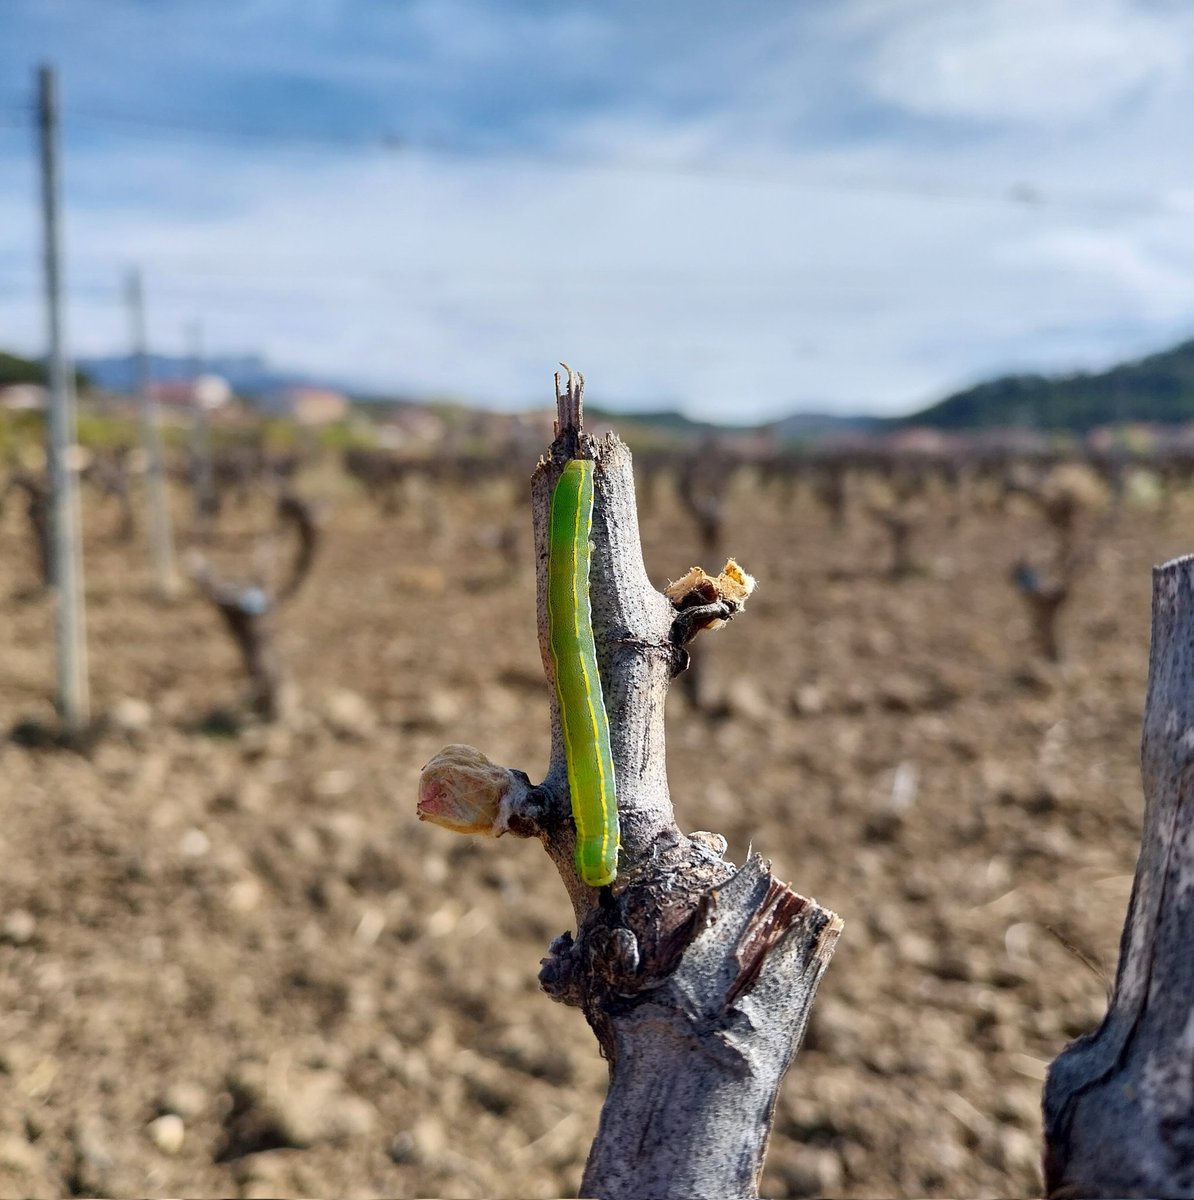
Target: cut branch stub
(684, 951)
(569, 404)
(1119, 1103)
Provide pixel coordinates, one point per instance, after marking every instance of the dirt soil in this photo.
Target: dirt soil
(237, 964)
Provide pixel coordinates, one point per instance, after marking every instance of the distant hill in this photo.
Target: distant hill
(1157, 388)
(249, 374)
(801, 426)
(665, 424)
(15, 369)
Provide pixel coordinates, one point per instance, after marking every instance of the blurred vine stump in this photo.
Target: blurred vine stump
(1045, 600)
(108, 474)
(900, 525)
(697, 976)
(248, 610)
(1119, 1103)
(38, 504)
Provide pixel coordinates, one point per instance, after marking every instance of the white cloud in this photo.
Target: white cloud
(1156, 282)
(1041, 62)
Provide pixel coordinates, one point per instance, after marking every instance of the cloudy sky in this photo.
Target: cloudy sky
(739, 209)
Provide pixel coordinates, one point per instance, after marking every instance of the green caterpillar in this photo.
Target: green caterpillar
(578, 683)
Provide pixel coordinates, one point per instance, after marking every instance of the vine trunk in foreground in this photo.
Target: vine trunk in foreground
(696, 976)
(1119, 1103)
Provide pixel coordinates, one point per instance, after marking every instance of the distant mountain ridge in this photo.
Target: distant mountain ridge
(249, 374)
(814, 425)
(252, 376)
(665, 421)
(1156, 388)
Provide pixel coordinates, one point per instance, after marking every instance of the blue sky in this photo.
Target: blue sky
(738, 209)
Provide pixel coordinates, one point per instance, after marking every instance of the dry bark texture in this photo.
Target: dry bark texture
(696, 976)
(1119, 1103)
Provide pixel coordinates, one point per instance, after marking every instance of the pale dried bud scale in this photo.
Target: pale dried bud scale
(462, 790)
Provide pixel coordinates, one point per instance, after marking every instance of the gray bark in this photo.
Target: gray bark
(696, 976)
(1119, 1103)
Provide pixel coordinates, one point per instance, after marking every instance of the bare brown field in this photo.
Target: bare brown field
(254, 938)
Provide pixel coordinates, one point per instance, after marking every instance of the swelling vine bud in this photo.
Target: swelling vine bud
(462, 790)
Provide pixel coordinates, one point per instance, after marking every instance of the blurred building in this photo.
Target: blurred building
(23, 397)
(1135, 437)
(307, 405)
(922, 439)
(209, 392)
(410, 426)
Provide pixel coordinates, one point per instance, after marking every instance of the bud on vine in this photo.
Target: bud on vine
(462, 790)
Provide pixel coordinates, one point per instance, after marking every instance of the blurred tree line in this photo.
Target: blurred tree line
(15, 369)
(1157, 388)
